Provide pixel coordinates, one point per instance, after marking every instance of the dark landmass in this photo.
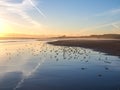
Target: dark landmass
(114, 36)
(111, 47)
(107, 36)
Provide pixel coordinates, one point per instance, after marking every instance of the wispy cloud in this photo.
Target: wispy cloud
(16, 12)
(109, 13)
(115, 25)
(116, 28)
(113, 12)
(103, 20)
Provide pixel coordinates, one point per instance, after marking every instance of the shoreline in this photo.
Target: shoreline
(110, 47)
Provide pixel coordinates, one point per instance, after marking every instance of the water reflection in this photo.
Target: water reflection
(36, 65)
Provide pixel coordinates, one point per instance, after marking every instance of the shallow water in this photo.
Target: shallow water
(35, 65)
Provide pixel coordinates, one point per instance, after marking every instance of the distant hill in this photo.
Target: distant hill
(112, 36)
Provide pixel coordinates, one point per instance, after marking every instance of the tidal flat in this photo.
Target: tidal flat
(37, 65)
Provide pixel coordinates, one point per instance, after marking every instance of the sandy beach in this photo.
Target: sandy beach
(111, 47)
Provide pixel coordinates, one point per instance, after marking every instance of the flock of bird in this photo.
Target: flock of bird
(56, 53)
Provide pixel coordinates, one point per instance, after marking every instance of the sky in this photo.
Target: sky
(60, 17)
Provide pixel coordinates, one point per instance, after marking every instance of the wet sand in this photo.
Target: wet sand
(111, 47)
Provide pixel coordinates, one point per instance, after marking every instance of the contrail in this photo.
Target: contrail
(114, 25)
(41, 13)
(27, 76)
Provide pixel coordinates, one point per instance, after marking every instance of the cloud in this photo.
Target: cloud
(15, 11)
(115, 25)
(109, 13)
(95, 27)
(102, 21)
(14, 1)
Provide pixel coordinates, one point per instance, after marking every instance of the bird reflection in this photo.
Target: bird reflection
(106, 68)
(99, 75)
(83, 68)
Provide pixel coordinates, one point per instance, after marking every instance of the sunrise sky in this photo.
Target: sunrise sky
(59, 17)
